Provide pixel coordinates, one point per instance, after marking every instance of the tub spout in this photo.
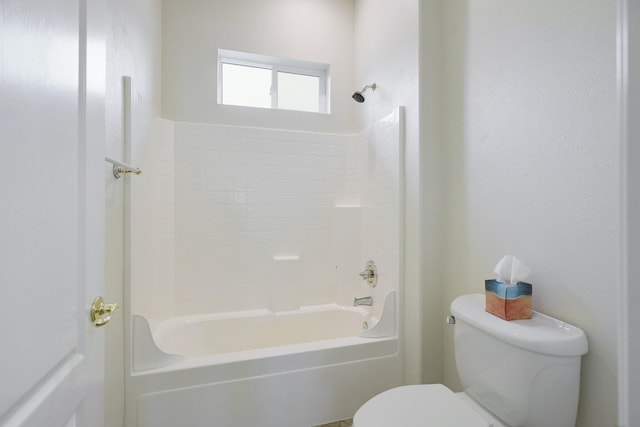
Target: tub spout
(363, 301)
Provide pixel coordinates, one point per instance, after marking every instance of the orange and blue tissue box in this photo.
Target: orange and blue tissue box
(510, 302)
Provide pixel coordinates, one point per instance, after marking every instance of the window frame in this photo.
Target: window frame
(277, 65)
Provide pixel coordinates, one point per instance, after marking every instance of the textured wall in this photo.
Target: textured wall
(533, 158)
(311, 30)
(386, 40)
(133, 49)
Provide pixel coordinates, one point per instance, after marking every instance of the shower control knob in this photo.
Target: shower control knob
(370, 273)
(367, 274)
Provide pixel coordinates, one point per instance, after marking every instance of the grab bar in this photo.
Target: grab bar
(120, 168)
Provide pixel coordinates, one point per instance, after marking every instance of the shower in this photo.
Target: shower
(358, 95)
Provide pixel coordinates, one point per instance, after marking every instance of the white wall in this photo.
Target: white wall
(432, 172)
(311, 30)
(133, 49)
(386, 40)
(533, 156)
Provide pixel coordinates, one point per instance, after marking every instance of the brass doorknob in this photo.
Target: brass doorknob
(101, 312)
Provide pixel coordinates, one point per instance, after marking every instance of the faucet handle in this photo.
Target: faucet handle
(370, 273)
(366, 274)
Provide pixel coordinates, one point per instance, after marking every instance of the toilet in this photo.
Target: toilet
(519, 373)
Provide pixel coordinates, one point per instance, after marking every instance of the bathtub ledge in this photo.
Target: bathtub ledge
(386, 326)
(146, 355)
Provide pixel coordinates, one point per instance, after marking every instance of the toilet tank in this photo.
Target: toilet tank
(526, 372)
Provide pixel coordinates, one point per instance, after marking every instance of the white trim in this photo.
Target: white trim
(254, 58)
(622, 46)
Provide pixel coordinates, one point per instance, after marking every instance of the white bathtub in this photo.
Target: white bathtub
(259, 369)
(205, 335)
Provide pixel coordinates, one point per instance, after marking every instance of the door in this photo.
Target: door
(51, 212)
(629, 328)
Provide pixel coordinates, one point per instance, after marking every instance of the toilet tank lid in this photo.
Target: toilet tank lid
(541, 334)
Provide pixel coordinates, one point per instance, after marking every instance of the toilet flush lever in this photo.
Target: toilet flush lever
(450, 320)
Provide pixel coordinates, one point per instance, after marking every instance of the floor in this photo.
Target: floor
(343, 423)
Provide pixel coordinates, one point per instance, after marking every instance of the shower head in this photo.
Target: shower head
(358, 95)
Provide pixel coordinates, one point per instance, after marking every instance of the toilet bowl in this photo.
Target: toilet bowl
(423, 405)
(523, 373)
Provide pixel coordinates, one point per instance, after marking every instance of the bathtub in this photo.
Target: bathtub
(196, 336)
(258, 368)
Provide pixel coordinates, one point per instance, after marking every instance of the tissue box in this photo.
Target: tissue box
(508, 302)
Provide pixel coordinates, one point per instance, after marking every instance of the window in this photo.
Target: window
(268, 82)
(244, 85)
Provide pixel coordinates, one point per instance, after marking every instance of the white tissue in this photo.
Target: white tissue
(510, 270)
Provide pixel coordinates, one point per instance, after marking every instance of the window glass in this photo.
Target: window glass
(298, 92)
(244, 85)
(254, 80)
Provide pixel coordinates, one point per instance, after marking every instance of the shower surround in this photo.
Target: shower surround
(230, 221)
(247, 196)
(229, 218)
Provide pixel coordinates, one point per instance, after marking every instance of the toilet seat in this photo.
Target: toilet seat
(432, 405)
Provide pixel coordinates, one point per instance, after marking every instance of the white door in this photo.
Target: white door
(51, 212)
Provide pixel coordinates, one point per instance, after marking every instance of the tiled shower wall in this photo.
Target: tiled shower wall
(245, 196)
(382, 204)
(151, 207)
(264, 218)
